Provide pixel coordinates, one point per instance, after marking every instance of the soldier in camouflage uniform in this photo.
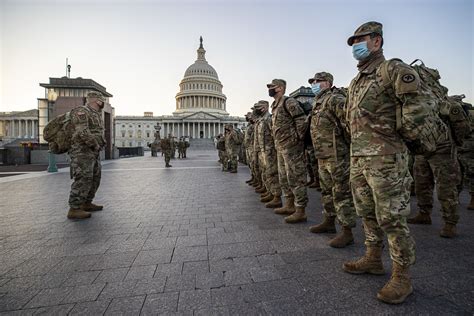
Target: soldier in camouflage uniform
(231, 147)
(166, 148)
(248, 144)
(174, 144)
(466, 161)
(289, 127)
(331, 147)
(380, 179)
(87, 141)
(181, 148)
(267, 156)
(222, 152)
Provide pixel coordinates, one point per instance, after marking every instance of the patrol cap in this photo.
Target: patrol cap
(322, 76)
(277, 83)
(366, 29)
(260, 104)
(97, 95)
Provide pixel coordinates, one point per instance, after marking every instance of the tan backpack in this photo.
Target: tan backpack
(58, 133)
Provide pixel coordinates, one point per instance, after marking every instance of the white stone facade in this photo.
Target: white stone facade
(18, 125)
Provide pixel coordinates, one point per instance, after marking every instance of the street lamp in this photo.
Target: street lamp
(52, 97)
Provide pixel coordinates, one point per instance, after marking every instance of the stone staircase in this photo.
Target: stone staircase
(201, 144)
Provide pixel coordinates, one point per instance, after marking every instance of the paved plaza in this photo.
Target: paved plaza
(192, 240)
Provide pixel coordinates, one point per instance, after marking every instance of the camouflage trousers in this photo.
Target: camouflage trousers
(443, 170)
(312, 164)
(466, 162)
(292, 173)
(381, 190)
(249, 153)
(168, 153)
(336, 193)
(223, 159)
(270, 171)
(86, 172)
(232, 159)
(256, 165)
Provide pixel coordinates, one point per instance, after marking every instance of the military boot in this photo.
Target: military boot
(288, 208)
(91, 207)
(344, 238)
(327, 226)
(316, 185)
(169, 166)
(370, 263)
(266, 194)
(262, 189)
(267, 198)
(448, 231)
(310, 182)
(422, 218)
(276, 202)
(471, 204)
(297, 217)
(249, 181)
(397, 289)
(78, 213)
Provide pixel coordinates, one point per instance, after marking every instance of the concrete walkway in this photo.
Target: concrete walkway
(193, 240)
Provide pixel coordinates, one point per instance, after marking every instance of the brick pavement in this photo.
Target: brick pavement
(193, 240)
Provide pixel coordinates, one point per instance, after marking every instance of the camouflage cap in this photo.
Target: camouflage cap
(262, 103)
(97, 95)
(322, 76)
(366, 29)
(277, 82)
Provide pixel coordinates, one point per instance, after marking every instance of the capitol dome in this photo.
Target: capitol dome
(200, 89)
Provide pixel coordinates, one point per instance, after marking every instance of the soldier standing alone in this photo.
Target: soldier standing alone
(86, 143)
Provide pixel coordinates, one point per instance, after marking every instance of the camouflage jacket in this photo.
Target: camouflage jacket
(263, 133)
(288, 122)
(231, 141)
(88, 132)
(371, 110)
(248, 138)
(328, 133)
(165, 143)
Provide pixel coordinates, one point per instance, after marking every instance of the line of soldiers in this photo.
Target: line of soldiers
(362, 161)
(168, 148)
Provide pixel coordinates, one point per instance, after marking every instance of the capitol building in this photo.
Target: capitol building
(201, 110)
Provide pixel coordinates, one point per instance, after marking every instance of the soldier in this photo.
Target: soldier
(289, 127)
(331, 148)
(232, 147)
(173, 144)
(248, 144)
(86, 143)
(220, 145)
(267, 156)
(181, 147)
(466, 161)
(186, 146)
(380, 179)
(166, 148)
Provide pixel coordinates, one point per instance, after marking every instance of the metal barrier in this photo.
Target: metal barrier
(130, 151)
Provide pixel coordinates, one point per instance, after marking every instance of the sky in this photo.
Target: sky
(139, 50)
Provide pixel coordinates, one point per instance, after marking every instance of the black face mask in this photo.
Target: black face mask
(271, 92)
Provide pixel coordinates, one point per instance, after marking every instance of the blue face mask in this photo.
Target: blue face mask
(360, 51)
(316, 88)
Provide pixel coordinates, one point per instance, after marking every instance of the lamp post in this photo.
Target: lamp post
(52, 96)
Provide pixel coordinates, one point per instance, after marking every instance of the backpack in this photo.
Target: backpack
(453, 112)
(58, 133)
(220, 144)
(419, 125)
(240, 137)
(307, 109)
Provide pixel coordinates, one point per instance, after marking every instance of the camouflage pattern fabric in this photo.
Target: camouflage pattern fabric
(311, 164)
(379, 175)
(288, 127)
(466, 159)
(86, 143)
(381, 190)
(248, 145)
(442, 169)
(332, 148)
(166, 147)
(232, 147)
(267, 154)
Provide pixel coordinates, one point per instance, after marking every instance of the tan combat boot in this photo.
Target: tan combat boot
(276, 202)
(471, 204)
(77, 213)
(370, 263)
(422, 218)
(397, 289)
(327, 226)
(288, 208)
(267, 198)
(266, 194)
(91, 207)
(249, 180)
(261, 189)
(344, 238)
(297, 217)
(448, 231)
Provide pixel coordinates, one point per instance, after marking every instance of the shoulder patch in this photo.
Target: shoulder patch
(455, 111)
(407, 78)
